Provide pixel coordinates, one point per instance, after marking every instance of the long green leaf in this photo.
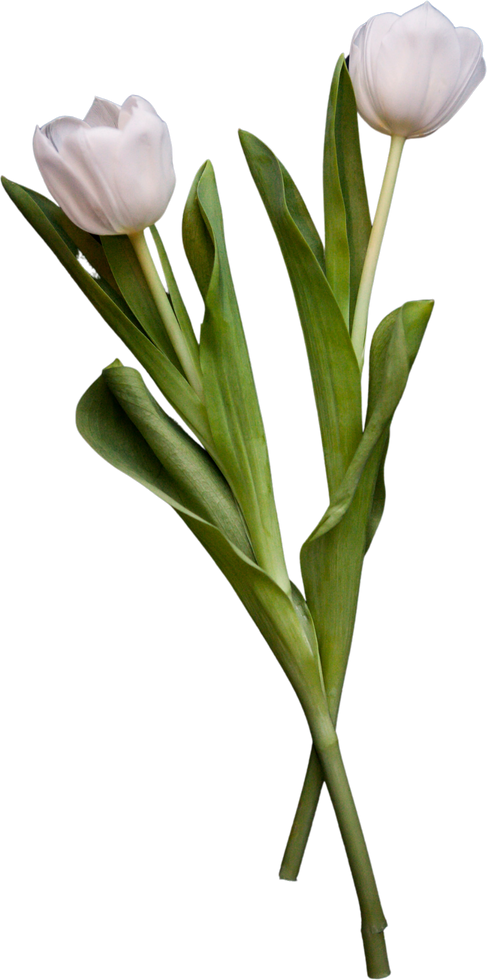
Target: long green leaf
(229, 388)
(54, 228)
(347, 216)
(333, 365)
(201, 486)
(283, 621)
(74, 237)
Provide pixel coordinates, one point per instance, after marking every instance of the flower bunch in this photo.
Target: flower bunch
(112, 177)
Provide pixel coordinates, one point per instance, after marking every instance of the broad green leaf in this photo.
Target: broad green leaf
(378, 500)
(393, 351)
(201, 486)
(332, 557)
(54, 228)
(347, 217)
(107, 428)
(332, 568)
(334, 369)
(414, 318)
(230, 395)
(134, 288)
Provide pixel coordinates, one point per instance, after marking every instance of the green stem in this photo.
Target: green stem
(341, 572)
(342, 567)
(373, 922)
(359, 328)
(306, 808)
(186, 357)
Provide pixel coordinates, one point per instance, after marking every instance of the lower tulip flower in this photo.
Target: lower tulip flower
(112, 174)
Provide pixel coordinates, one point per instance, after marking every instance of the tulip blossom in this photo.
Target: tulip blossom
(112, 171)
(411, 74)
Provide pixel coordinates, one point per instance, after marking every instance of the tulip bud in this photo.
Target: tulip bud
(411, 74)
(111, 172)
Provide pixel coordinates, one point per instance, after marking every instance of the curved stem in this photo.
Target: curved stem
(359, 327)
(303, 818)
(187, 360)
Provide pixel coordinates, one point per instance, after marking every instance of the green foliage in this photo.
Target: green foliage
(394, 348)
(333, 365)
(66, 241)
(229, 390)
(119, 419)
(347, 218)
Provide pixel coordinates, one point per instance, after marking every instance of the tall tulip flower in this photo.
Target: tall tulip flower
(112, 174)
(410, 75)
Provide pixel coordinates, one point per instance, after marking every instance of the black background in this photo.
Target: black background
(152, 768)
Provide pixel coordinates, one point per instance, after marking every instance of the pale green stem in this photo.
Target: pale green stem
(359, 328)
(188, 363)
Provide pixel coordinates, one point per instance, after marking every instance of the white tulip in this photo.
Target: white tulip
(112, 171)
(411, 74)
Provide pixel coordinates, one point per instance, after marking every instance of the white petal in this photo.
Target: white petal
(57, 130)
(103, 113)
(145, 176)
(67, 189)
(92, 156)
(363, 54)
(133, 104)
(470, 75)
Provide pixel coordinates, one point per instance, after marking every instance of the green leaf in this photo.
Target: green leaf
(378, 500)
(332, 557)
(347, 217)
(133, 286)
(201, 486)
(230, 395)
(75, 238)
(54, 228)
(393, 350)
(334, 369)
(108, 429)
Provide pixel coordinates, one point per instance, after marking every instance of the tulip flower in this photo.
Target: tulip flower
(410, 75)
(111, 172)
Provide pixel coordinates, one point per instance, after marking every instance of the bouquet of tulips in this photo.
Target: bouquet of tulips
(112, 177)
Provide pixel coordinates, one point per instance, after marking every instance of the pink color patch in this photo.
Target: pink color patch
(329, 927)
